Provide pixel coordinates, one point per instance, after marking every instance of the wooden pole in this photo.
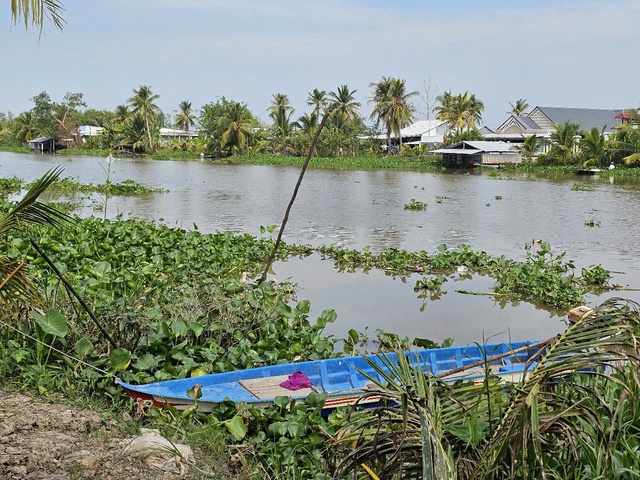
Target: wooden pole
(73, 291)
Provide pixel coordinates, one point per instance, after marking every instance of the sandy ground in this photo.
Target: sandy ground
(56, 441)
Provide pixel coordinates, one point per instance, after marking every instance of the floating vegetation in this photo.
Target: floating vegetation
(592, 223)
(498, 197)
(581, 187)
(10, 186)
(415, 205)
(542, 277)
(126, 187)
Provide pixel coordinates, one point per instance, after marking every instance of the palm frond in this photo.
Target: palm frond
(404, 434)
(29, 210)
(542, 413)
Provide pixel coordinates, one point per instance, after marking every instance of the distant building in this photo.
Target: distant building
(45, 144)
(429, 133)
(169, 135)
(541, 122)
(479, 153)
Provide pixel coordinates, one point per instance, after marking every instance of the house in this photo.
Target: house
(424, 132)
(85, 131)
(169, 135)
(485, 153)
(45, 144)
(541, 121)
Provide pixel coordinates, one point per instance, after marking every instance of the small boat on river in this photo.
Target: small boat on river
(344, 380)
(587, 171)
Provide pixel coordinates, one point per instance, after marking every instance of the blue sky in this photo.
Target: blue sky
(553, 53)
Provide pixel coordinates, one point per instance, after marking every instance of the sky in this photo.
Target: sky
(563, 53)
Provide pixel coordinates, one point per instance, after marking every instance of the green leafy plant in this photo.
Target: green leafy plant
(581, 187)
(415, 205)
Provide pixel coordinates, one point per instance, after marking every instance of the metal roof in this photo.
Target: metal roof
(586, 118)
(470, 147)
(40, 139)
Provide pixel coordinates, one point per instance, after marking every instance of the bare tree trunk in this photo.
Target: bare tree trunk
(293, 196)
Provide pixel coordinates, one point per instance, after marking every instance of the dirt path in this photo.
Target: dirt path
(56, 441)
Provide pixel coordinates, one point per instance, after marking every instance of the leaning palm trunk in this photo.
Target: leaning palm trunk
(274, 250)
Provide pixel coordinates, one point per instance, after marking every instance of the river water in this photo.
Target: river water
(498, 214)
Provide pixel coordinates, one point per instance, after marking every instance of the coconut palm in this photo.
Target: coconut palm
(34, 12)
(400, 110)
(134, 131)
(185, 117)
(461, 112)
(121, 113)
(16, 290)
(520, 106)
(592, 147)
(563, 139)
(530, 146)
(625, 144)
(381, 95)
(343, 105)
(143, 103)
(280, 112)
(236, 126)
(307, 123)
(318, 100)
(392, 107)
(24, 127)
(540, 427)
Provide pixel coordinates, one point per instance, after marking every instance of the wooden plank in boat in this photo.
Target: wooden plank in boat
(269, 387)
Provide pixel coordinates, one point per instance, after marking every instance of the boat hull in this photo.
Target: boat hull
(344, 380)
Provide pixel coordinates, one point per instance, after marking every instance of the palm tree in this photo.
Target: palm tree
(318, 100)
(34, 12)
(400, 110)
(563, 139)
(381, 96)
(529, 149)
(563, 413)
(520, 106)
(236, 126)
(625, 144)
(461, 112)
(592, 147)
(134, 130)
(143, 103)
(24, 127)
(121, 113)
(392, 107)
(185, 118)
(307, 123)
(280, 112)
(343, 105)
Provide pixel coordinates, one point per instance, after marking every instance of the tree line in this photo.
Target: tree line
(228, 127)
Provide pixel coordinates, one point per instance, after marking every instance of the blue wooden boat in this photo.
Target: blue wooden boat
(343, 380)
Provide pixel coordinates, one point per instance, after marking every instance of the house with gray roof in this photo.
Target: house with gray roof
(470, 153)
(541, 120)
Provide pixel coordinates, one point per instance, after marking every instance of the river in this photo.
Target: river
(497, 212)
